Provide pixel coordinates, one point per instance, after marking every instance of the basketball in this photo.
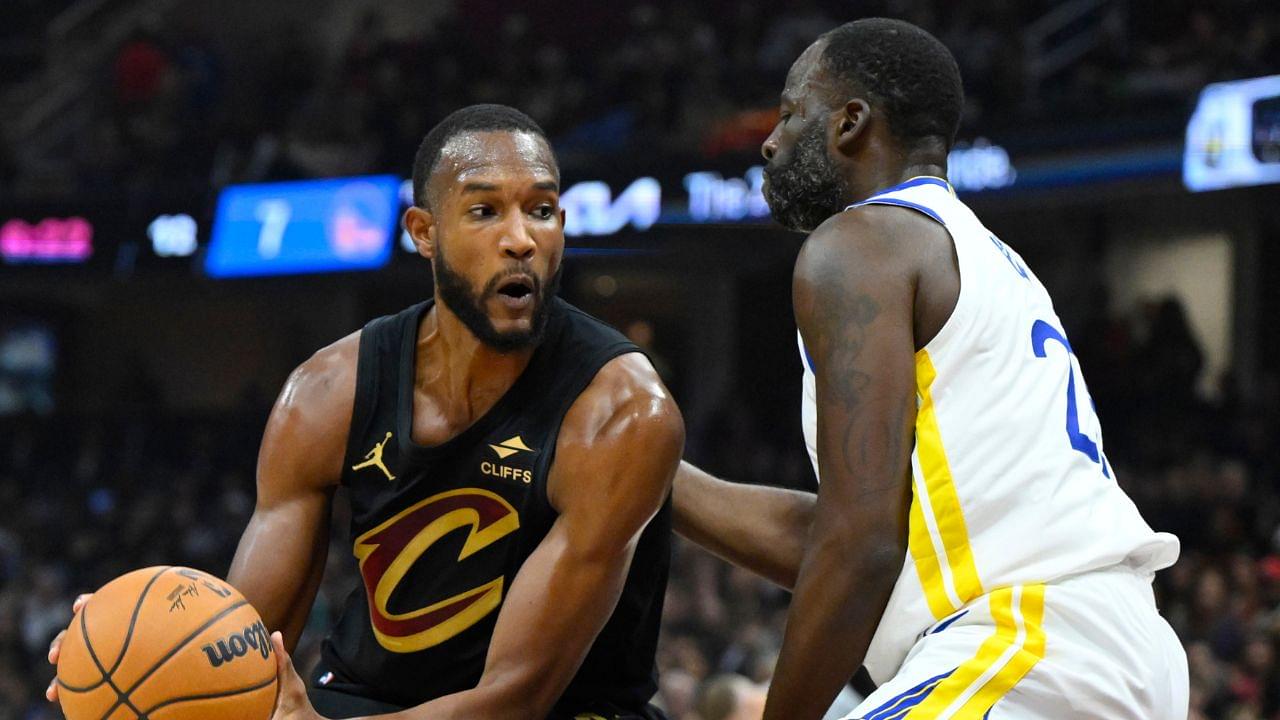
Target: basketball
(167, 643)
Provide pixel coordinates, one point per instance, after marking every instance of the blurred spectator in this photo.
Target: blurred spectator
(142, 68)
(678, 76)
(729, 697)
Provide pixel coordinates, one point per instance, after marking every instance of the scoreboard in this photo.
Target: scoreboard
(304, 227)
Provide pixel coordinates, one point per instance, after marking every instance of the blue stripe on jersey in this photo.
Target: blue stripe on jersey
(900, 705)
(809, 359)
(914, 182)
(901, 203)
(946, 623)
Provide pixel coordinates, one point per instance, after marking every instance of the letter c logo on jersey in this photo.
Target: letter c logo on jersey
(388, 551)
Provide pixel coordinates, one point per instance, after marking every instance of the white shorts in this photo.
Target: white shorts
(1088, 647)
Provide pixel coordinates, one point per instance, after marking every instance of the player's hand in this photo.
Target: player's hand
(55, 648)
(292, 702)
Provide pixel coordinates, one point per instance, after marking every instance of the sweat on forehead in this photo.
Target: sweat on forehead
(479, 152)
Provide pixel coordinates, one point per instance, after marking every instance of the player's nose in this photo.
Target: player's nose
(770, 146)
(517, 242)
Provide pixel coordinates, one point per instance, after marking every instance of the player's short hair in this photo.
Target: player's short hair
(910, 73)
(473, 118)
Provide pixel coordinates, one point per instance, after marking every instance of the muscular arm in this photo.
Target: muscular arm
(762, 529)
(281, 556)
(617, 452)
(854, 294)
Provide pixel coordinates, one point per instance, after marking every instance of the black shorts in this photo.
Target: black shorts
(333, 703)
(337, 704)
(334, 698)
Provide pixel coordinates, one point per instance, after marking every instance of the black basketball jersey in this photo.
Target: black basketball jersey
(440, 532)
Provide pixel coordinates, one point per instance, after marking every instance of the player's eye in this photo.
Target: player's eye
(481, 211)
(545, 211)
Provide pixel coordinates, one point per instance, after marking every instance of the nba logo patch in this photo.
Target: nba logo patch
(326, 678)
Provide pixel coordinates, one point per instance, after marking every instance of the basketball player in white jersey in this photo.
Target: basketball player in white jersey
(969, 546)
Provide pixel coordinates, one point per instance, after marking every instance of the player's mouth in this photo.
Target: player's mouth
(516, 292)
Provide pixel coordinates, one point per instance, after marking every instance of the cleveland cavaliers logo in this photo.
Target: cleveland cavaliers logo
(388, 551)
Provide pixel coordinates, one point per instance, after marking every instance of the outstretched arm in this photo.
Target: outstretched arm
(854, 295)
(760, 528)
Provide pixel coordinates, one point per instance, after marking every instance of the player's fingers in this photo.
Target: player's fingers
(51, 693)
(282, 668)
(290, 682)
(80, 601)
(283, 663)
(55, 648)
(291, 694)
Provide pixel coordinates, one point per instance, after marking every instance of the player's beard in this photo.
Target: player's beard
(807, 190)
(469, 306)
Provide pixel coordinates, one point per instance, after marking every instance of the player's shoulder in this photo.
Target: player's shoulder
(328, 377)
(622, 438)
(886, 239)
(886, 230)
(628, 379)
(306, 435)
(625, 398)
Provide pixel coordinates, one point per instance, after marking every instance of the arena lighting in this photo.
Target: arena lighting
(591, 209)
(1233, 139)
(48, 241)
(713, 198)
(173, 235)
(980, 165)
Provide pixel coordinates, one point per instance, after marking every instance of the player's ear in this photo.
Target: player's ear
(421, 226)
(851, 121)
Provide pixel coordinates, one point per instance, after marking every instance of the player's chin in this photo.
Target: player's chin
(508, 337)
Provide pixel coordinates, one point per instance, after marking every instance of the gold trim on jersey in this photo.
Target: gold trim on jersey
(1001, 661)
(938, 538)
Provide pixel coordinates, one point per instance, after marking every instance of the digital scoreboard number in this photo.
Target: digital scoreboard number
(309, 226)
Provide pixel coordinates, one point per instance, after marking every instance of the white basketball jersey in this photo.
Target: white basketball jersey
(1010, 482)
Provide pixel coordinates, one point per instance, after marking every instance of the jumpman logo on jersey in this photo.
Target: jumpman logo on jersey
(374, 459)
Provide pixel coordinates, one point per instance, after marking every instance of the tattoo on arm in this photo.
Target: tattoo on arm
(842, 331)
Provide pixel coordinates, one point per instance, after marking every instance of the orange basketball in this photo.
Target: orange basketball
(167, 643)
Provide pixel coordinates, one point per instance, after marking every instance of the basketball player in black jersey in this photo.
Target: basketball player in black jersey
(508, 461)
(447, 417)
